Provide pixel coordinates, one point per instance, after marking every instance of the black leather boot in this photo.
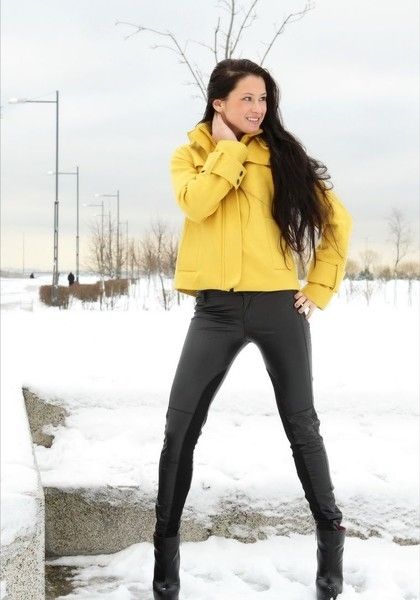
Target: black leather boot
(329, 576)
(166, 572)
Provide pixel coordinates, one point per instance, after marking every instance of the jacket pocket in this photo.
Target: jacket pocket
(325, 273)
(189, 246)
(273, 236)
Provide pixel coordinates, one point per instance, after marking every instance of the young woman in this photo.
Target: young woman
(252, 199)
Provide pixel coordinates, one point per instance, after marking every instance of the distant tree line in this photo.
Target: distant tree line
(155, 254)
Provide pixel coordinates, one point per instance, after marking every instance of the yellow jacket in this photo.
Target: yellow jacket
(229, 239)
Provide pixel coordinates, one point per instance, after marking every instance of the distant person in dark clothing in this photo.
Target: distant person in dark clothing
(31, 276)
(70, 278)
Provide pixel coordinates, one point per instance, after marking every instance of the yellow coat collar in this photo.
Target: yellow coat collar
(257, 152)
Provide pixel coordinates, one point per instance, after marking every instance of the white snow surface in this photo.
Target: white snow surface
(279, 567)
(113, 371)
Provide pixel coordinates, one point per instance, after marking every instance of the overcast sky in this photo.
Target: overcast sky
(348, 74)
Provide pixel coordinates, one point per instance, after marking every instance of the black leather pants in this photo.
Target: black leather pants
(224, 322)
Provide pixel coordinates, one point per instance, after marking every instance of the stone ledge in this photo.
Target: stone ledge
(42, 413)
(107, 519)
(23, 542)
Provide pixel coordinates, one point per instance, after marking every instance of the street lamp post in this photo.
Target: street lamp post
(54, 296)
(77, 213)
(117, 196)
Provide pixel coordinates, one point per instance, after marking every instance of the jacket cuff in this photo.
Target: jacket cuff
(319, 294)
(227, 161)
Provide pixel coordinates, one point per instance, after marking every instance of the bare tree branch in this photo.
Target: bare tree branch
(175, 41)
(400, 235)
(308, 6)
(244, 25)
(230, 42)
(232, 18)
(216, 31)
(163, 46)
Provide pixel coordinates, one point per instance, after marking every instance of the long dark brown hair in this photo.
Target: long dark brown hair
(298, 211)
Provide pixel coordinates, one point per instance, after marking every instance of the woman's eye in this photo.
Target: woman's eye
(248, 97)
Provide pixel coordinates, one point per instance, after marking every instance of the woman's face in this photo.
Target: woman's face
(246, 105)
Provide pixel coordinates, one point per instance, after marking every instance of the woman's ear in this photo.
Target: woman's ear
(217, 107)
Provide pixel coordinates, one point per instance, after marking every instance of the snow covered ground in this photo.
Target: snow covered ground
(278, 568)
(114, 370)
